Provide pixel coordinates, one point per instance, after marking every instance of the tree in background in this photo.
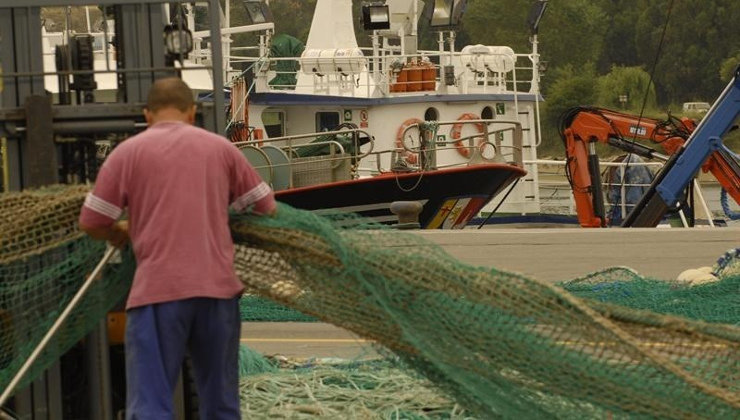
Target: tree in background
(700, 36)
(629, 83)
(569, 87)
(502, 23)
(292, 17)
(572, 33)
(728, 67)
(620, 46)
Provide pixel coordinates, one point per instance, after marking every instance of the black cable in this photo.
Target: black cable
(500, 203)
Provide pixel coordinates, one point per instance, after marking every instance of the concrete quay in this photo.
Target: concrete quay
(567, 253)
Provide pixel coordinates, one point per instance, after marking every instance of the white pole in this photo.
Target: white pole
(58, 323)
(87, 16)
(703, 202)
(535, 85)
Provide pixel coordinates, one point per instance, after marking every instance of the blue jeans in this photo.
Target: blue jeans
(157, 337)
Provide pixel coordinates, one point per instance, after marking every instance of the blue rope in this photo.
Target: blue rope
(732, 215)
(723, 195)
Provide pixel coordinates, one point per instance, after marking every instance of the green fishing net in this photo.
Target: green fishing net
(498, 344)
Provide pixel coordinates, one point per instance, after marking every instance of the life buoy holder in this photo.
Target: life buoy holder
(455, 133)
(408, 156)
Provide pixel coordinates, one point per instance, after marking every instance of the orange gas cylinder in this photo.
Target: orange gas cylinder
(428, 76)
(415, 77)
(401, 82)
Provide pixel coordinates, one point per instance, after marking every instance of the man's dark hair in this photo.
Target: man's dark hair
(170, 92)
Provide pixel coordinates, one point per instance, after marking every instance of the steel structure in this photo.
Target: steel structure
(33, 124)
(665, 191)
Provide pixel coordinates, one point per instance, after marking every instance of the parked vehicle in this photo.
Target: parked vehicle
(696, 107)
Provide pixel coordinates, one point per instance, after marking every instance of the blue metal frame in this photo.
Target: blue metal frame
(706, 139)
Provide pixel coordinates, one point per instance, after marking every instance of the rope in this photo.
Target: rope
(726, 260)
(432, 126)
(723, 194)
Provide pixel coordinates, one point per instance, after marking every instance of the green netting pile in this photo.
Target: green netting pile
(44, 259)
(498, 343)
(713, 302)
(331, 389)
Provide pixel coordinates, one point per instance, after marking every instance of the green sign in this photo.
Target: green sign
(500, 108)
(347, 115)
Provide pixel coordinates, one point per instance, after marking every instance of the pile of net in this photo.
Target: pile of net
(44, 260)
(499, 344)
(281, 388)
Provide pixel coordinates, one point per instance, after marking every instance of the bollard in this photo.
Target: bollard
(408, 214)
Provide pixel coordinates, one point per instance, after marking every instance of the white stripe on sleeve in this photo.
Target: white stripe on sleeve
(103, 207)
(252, 196)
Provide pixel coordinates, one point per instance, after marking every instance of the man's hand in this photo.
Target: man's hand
(119, 234)
(116, 234)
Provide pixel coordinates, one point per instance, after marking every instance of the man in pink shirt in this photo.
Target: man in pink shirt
(176, 182)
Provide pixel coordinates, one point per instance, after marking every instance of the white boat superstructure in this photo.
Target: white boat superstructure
(385, 88)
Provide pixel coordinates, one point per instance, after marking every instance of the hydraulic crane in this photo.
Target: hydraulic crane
(687, 148)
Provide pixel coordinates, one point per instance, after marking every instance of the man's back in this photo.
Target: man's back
(177, 182)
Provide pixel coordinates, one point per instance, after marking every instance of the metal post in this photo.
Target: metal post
(98, 373)
(534, 87)
(218, 67)
(20, 52)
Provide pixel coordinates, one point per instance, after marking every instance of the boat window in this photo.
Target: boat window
(487, 113)
(98, 43)
(326, 121)
(274, 122)
(431, 114)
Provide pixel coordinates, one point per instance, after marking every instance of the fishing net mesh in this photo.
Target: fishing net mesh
(498, 343)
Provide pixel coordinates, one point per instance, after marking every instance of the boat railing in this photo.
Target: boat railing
(391, 75)
(301, 170)
(429, 145)
(556, 195)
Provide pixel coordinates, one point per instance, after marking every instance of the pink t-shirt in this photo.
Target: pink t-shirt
(177, 182)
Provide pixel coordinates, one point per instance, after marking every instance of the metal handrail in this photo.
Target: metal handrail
(699, 196)
(289, 139)
(336, 161)
(517, 135)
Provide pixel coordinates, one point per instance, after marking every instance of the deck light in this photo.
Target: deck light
(178, 40)
(446, 13)
(258, 11)
(375, 16)
(535, 15)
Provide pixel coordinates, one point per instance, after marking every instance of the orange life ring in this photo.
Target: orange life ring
(457, 129)
(409, 157)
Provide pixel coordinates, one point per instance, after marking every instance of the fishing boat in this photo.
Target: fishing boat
(333, 126)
